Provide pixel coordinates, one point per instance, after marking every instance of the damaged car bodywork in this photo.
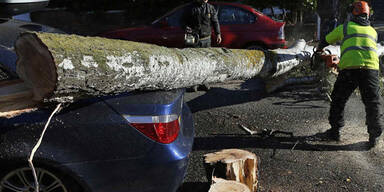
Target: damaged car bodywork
(136, 141)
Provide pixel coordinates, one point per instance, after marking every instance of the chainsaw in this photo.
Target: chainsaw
(325, 64)
(326, 58)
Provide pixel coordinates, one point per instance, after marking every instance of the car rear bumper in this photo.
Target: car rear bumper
(163, 168)
(131, 176)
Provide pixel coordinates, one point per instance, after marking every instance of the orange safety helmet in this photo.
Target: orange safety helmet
(360, 7)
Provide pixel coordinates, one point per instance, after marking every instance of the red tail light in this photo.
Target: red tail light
(163, 129)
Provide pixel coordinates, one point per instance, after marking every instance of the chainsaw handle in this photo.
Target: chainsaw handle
(322, 51)
(314, 58)
(329, 51)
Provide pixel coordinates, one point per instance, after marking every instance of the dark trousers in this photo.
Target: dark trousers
(205, 43)
(368, 82)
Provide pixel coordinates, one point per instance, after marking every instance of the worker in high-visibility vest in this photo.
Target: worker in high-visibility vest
(359, 67)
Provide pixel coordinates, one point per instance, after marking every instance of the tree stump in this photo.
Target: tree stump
(222, 185)
(234, 164)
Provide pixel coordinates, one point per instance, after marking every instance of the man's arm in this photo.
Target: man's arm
(215, 20)
(333, 37)
(216, 25)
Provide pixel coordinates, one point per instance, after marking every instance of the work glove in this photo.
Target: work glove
(319, 51)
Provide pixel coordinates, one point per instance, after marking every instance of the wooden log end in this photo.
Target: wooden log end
(229, 156)
(35, 65)
(222, 185)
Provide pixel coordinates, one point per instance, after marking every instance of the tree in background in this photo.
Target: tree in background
(343, 8)
(299, 8)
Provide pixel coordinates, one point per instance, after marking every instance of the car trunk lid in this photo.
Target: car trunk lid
(157, 115)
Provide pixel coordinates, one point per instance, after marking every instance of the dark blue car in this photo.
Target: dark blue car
(133, 142)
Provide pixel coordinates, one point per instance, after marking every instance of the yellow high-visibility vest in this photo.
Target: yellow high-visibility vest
(358, 46)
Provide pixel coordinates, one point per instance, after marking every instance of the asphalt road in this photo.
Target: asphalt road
(293, 114)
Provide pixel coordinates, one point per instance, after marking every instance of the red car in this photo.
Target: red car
(242, 27)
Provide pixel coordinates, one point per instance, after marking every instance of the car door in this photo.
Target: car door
(237, 25)
(172, 33)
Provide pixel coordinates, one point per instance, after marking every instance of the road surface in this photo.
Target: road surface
(288, 162)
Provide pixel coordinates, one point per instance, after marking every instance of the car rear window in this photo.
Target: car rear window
(175, 19)
(233, 15)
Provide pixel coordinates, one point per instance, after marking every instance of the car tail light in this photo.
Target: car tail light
(163, 129)
(281, 34)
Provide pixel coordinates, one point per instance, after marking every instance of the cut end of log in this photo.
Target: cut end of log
(235, 165)
(228, 156)
(35, 65)
(15, 98)
(222, 185)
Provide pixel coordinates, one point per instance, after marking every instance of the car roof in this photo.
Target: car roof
(243, 6)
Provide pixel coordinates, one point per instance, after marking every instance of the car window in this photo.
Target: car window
(175, 19)
(235, 15)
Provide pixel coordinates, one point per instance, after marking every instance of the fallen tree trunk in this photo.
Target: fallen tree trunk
(65, 67)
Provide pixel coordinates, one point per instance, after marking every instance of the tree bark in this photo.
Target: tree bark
(234, 164)
(65, 67)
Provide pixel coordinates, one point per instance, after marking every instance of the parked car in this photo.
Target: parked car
(132, 142)
(241, 27)
(10, 29)
(15, 7)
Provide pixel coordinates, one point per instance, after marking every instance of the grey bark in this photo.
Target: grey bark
(65, 67)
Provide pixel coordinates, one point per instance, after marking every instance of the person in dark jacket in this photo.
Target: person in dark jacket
(199, 19)
(359, 67)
